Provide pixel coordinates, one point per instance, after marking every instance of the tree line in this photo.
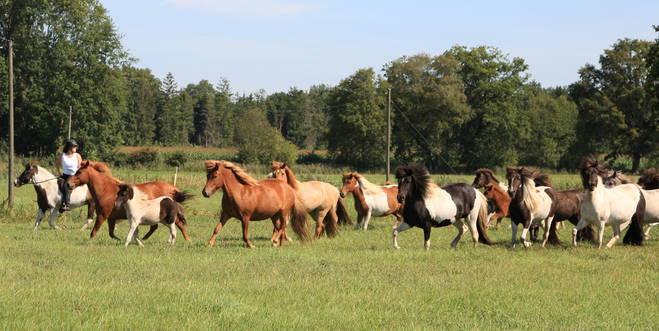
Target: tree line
(467, 108)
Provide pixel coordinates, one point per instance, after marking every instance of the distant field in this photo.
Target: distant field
(53, 279)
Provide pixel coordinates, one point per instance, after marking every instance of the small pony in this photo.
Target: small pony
(371, 200)
(142, 211)
(500, 201)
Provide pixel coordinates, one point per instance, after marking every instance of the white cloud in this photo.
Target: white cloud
(245, 7)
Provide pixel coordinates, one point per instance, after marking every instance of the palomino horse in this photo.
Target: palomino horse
(500, 203)
(321, 200)
(371, 200)
(248, 199)
(530, 203)
(427, 205)
(142, 211)
(104, 188)
(649, 182)
(609, 207)
(49, 196)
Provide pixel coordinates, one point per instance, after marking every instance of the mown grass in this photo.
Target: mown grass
(53, 279)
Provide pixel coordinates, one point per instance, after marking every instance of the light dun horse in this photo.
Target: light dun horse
(49, 196)
(142, 211)
(321, 200)
(371, 200)
(427, 205)
(247, 199)
(609, 207)
(530, 204)
(104, 188)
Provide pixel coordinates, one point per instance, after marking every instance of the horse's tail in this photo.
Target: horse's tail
(552, 239)
(299, 219)
(181, 197)
(634, 235)
(180, 214)
(482, 220)
(342, 212)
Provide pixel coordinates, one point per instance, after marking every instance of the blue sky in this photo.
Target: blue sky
(276, 45)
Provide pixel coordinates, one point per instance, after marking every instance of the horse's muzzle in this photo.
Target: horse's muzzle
(343, 195)
(400, 198)
(511, 194)
(591, 187)
(206, 195)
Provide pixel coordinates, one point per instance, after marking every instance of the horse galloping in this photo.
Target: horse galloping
(142, 211)
(49, 195)
(104, 188)
(530, 203)
(609, 207)
(321, 200)
(427, 206)
(371, 200)
(247, 199)
(500, 203)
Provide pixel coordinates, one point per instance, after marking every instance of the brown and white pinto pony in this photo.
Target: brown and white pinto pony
(500, 202)
(610, 207)
(530, 203)
(371, 199)
(104, 188)
(248, 199)
(321, 200)
(142, 211)
(49, 195)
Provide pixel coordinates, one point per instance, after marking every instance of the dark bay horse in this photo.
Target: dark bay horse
(427, 206)
(486, 176)
(104, 188)
(248, 199)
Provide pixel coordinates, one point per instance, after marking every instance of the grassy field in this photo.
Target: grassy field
(52, 279)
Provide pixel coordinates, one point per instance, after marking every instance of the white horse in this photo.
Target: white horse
(49, 196)
(609, 207)
(141, 211)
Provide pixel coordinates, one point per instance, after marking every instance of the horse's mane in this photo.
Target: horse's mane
(367, 187)
(103, 169)
(615, 178)
(592, 162)
(240, 173)
(420, 175)
(530, 180)
(649, 179)
(276, 165)
(488, 174)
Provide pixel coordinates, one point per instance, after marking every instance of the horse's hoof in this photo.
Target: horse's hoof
(397, 247)
(528, 244)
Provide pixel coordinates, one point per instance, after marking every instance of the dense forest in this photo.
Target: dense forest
(467, 108)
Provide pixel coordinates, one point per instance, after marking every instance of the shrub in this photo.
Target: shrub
(145, 156)
(177, 158)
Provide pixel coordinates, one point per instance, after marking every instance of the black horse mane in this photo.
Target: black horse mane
(488, 174)
(649, 179)
(420, 176)
(538, 178)
(592, 162)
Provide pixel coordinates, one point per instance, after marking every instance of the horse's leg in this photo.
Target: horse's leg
(525, 230)
(51, 221)
(489, 219)
(40, 215)
(172, 233)
(545, 234)
(580, 225)
(403, 226)
(137, 236)
(615, 236)
(152, 229)
(461, 230)
(360, 217)
(316, 215)
(647, 231)
(224, 217)
(513, 240)
(131, 232)
(367, 219)
(90, 216)
(426, 236)
(245, 224)
(111, 226)
(97, 225)
(181, 226)
(600, 233)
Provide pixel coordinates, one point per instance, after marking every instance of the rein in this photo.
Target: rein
(34, 182)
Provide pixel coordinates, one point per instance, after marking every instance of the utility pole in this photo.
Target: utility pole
(389, 135)
(10, 196)
(70, 110)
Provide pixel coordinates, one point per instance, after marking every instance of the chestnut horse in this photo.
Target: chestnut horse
(321, 200)
(371, 200)
(500, 202)
(248, 199)
(104, 188)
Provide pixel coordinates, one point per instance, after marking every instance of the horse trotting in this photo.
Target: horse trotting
(609, 207)
(500, 203)
(247, 199)
(104, 188)
(649, 181)
(142, 211)
(427, 206)
(371, 200)
(49, 195)
(530, 203)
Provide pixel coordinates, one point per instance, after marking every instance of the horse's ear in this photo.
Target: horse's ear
(84, 164)
(284, 165)
(130, 192)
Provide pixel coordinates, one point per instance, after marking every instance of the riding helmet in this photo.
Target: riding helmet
(70, 142)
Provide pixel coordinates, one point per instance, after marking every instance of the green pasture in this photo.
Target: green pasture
(61, 279)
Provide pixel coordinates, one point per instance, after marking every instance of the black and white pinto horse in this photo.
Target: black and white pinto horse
(49, 195)
(530, 203)
(428, 206)
(610, 207)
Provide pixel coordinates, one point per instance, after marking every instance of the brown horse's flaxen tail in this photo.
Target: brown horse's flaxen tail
(342, 212)
(299, 219)
(482, 220)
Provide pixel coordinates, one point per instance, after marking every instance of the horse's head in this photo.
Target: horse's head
(615, 178)
(483, 176)
(81, 177)
(349, 184)
(27, 175)
(592, 171)
(516, 176)
(214, 178)
(490, 191)
(278, 171)
(125, 193)
(413, 179)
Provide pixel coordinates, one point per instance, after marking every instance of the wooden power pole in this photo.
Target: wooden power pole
(389, 135)
(11, 126)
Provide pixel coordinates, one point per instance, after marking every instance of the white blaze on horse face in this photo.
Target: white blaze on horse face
(441, 206)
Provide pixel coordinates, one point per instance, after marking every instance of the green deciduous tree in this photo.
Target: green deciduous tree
(258, 142)
(139, 117)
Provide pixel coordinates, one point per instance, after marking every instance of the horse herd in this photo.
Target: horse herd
(608, 199)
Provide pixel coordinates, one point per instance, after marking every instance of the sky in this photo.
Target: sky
(280, 44)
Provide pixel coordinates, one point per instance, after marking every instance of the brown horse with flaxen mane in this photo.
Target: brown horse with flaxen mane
(104, 188)
(248, 199)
